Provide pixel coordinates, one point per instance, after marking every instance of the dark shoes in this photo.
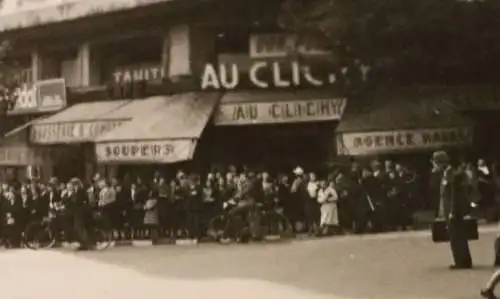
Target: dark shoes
(488, 294)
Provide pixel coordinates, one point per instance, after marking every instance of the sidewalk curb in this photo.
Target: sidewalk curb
(300, 238)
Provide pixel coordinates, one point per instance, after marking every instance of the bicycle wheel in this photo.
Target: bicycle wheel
(237, 229)
(276, 224)
(217, 227)
(102, 238)
(39, 236)
(102, 234)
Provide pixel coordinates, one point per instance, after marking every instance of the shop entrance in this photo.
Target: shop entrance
(69, 162)
(271, 147)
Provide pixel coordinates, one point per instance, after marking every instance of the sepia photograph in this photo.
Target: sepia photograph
(281, 149)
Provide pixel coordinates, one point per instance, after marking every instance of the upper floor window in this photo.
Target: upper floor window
(138, 58)
(61, 63)
(19, 69)
(233, 41)
(27, 76)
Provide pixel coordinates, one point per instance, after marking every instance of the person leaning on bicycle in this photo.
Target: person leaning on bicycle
(245, 199)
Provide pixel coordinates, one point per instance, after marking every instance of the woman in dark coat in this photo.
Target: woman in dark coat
(139, 195)
(13, 213)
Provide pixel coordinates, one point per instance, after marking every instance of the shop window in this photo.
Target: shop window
(20, 69)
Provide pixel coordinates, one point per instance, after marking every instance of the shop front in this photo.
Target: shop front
(405, 127)
(277, 112)
(163, 140)
(275, 130)
(392, 123)
(73, 131)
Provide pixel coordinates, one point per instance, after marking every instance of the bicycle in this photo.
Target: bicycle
(41, 233)
(217, 226)
(226, 228)
(275, 223)
(44, 234)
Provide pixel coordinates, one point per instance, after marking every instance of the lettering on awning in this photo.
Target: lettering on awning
(71, 132)
(166, 151)
(280, 112)
(402, 140)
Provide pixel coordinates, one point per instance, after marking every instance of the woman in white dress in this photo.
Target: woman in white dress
(328, 198)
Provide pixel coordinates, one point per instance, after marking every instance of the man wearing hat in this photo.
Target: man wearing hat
(453, 207)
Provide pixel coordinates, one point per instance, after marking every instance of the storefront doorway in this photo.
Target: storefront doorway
(70, 161)
(275, 148)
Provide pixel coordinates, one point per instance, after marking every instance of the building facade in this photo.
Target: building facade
(122, 86)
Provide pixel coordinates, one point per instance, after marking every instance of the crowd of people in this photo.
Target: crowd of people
(378, 197)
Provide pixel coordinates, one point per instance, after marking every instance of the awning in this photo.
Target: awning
(391, 122)
(168, 135)
(79, 123)
(268, 107)
(15, 132)
(86, 121)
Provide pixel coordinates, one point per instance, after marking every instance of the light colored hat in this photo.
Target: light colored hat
(298, 171)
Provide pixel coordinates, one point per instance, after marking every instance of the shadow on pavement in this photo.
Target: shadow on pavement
(359, 268)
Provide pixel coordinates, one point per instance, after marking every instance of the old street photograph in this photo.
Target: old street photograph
(294, 149)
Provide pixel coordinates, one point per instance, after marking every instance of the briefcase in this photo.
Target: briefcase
(440, 230)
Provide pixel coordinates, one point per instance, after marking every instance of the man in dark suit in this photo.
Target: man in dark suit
(453, 207)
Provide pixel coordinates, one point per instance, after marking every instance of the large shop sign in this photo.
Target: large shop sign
(229, 76)
(138, 73)
(164, 151)
(355, 144)
(71, 132)
(280, 112)
(43, 96)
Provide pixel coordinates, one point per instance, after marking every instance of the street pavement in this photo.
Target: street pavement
(397, 265)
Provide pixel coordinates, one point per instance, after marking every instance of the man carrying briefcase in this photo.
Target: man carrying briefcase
(453, 207)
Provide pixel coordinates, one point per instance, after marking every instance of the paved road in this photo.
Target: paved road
(402, 266)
